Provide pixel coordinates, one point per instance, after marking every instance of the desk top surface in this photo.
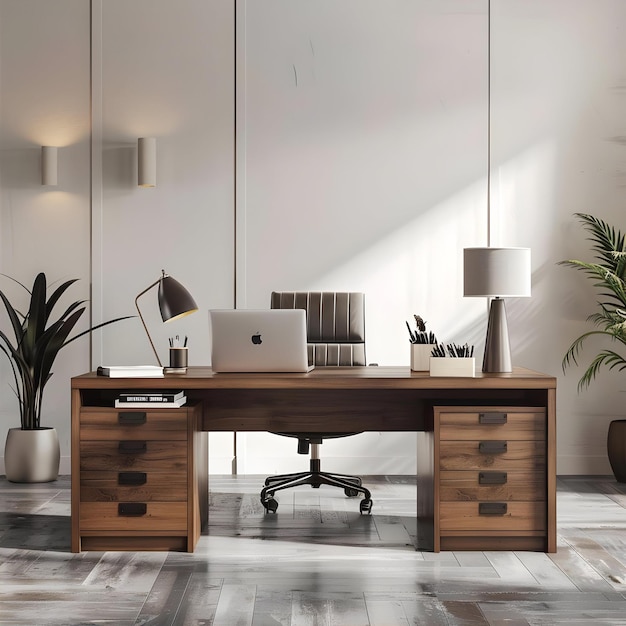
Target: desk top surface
(370, 377)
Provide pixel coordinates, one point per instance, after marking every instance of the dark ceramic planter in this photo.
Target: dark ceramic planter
(616, 448)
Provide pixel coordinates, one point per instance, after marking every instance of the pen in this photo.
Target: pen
(413, 338)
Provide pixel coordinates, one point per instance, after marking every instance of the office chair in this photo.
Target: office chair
(336, 336)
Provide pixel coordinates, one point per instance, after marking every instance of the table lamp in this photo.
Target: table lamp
(174, 302)
(497, 273)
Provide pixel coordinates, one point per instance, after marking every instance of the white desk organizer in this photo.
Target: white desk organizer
(420, 356)
(452, 366)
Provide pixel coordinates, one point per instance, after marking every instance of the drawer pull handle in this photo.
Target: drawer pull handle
(492, 508)
(132, 509)
(492, 447)
(132, 478)
(131, 419)
(492, 418)
(132, 447)
(492, 478)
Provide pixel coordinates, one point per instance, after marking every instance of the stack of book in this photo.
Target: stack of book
(150, 399)
(130, 371)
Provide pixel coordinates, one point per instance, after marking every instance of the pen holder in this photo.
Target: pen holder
(452, 366)
(178, 358)
(420, 356)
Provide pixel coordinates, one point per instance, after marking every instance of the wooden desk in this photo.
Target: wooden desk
(486, 450)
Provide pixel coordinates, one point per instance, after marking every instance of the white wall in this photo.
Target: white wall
(44, 100)
(363, 163)
(167, 71)
(367, 117)
(559, 96)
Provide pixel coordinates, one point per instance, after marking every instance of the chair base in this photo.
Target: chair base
(351, 485)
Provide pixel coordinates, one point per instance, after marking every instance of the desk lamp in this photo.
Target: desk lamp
(496, 273)
(174, 302)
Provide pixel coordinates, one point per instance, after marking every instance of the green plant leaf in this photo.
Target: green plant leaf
(56, 295)
(14, 318)
(36, 318)
(607, 275)
(38, 341)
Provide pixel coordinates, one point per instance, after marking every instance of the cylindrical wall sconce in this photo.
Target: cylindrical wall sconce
(146, 162)
(49, 169)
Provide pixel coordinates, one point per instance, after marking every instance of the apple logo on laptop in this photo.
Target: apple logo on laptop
(256, 339)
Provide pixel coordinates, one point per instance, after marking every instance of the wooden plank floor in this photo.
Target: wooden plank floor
(317, 562)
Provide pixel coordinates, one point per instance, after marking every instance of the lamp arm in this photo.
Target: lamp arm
(156, 282)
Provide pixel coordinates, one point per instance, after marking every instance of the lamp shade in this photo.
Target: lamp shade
(174, 300)
(496, 272)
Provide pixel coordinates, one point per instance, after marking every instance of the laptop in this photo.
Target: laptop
(264, 340)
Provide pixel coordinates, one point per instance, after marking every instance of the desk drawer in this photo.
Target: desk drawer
(505, 455)
(492, 516)
(98, 424)
(518, 423)
(491, 478)
(466, 486)
(130, 516)
(129, 486)
(133, 454)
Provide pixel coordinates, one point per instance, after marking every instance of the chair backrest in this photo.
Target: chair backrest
(335, 324)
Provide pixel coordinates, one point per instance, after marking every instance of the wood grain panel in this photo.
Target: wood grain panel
(520, 516)
(305, 410)
(99, 486)
(160, 516)
(159, 456)
(135, 542)
(465, 455)
(519, 425)
(101, 424)
(492, 541)
(399, 377)
(325, 400)
(464, 486)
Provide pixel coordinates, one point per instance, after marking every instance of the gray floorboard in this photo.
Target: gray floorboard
(317, 562)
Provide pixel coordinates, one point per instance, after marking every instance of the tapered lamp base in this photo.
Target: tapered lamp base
(497, 357)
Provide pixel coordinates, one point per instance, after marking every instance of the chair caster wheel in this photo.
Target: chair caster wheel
(270, 505)
(351, 493)
(366, 506)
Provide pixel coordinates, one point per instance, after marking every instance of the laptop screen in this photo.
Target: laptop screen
(263, 340)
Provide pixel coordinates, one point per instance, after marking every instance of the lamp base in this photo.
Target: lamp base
(497, 357)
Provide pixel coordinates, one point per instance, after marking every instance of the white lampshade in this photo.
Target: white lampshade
(49, 169)
(497, 273)
(501, 272)
(146, 162)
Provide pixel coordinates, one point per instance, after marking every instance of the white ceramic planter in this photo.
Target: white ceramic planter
(32, 456)
(452, 366)
(420, 356)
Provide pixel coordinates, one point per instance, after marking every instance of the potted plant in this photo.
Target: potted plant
(32, 451)
(608, 273)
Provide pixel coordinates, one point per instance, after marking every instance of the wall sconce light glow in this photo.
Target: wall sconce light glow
(49, 166)
(146, 162)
